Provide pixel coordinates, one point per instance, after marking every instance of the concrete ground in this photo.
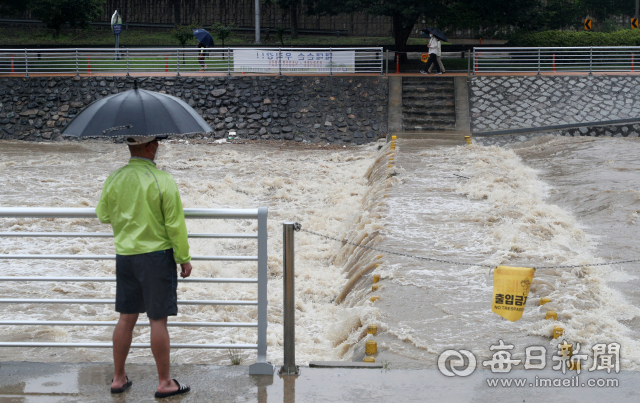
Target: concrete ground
(28, 382)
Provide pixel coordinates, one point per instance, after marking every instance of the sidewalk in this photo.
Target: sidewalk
(89, 382)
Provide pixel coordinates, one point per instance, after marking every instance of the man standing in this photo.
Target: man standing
(143, 206)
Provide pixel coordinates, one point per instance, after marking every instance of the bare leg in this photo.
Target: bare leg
(161, 352)
(122, 335)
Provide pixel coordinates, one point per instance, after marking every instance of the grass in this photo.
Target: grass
(94, 36)
(235, 356)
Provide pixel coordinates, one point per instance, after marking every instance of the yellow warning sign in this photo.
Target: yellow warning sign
(587, 25)
(634, 23)
(424, 58)
(510, 291)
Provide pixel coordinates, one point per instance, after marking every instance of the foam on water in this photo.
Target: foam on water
(500, 216)
(324, 190)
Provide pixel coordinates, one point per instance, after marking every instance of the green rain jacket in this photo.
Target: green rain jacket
(143, 206)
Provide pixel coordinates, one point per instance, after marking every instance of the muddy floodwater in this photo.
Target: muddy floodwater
(545, 202)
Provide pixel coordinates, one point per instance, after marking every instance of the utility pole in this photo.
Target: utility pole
(258, 19)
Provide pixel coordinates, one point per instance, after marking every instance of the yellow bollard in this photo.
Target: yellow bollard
(379, 257)
(574, 366)
(551, 315)
(394, 138)
(544, 300)
(375, 287)
(372, 329)
(468, 139)
(374, 298)
(371, 347)
(376, 277)
(557, 331)
(369, 359)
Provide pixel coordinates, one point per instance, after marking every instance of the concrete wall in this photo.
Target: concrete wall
(314, 109)
(498, 103)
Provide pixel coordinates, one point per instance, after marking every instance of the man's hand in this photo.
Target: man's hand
(186, 270)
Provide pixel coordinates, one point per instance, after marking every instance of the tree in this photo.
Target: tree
(183, 35)
(56, 13)
(292, 7)
(222, 31)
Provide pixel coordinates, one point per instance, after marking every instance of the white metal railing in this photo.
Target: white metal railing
(177, 61)
(555, 59)
(259, 214)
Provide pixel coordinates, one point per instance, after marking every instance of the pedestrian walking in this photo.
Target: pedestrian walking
(435, 36)
(438, 54)
(202, 55)
(143, 205)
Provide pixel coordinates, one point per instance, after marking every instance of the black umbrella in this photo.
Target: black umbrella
(137, 113)
(204, 37)
(436, 32)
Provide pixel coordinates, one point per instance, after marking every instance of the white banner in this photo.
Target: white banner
(292, 60)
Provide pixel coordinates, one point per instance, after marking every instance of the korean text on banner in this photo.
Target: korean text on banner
(510, 290)
(292, 61)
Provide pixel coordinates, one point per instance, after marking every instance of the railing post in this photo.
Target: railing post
(128, 62)
(289, 306)
(387, 64)
(77, 64)
(591, 61)
(538, 61)
(228, 61)
(279, 61)
(26, 63)
(381, 66)
(330, 62)
(475, 62)
(262, 367)
(177, 62)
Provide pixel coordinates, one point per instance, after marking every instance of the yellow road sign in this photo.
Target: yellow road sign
(587, 25)
(634, 23)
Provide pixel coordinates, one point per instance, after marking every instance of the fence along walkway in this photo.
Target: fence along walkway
(282, 61)
(555, 59)
(261, 367)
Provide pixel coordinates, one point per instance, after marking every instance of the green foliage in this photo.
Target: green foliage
(183, 34)
(56, 13)
(235, 356)
(280, 35)
(610, 25)
(222, 31)
(624, 37)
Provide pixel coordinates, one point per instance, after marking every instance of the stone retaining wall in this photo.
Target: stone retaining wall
(518, 102)
(314, 109)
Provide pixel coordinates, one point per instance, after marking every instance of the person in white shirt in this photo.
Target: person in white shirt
(434, 44)
(439, 58)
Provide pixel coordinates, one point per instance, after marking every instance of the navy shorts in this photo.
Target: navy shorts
(147, 283)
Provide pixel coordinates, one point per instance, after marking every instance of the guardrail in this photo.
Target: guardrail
(177, 61)
(555, 59)
(261, 367)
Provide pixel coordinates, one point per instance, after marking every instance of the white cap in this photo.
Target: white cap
(135, 140)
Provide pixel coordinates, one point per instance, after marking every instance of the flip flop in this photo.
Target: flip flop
(181, 389)
(123, 388)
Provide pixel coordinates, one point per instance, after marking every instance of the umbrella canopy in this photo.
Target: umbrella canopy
(436, 32)
(136, 113)
(204, 37)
